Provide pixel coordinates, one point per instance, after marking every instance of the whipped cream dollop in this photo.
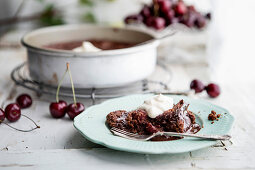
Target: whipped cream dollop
(157, 105)
(86, 47)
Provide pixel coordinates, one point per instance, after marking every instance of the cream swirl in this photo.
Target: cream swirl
(86, 47)
(157, 105)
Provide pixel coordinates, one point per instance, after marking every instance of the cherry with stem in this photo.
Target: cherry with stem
(75, 108)
(58, 108)
(2, 118)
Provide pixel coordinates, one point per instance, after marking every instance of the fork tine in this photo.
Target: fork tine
(124, 132)
(121, 135)
(128, 135)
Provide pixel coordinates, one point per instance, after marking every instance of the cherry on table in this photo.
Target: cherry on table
(180, 8)
(75, 109)
(169, 15)
(200, 21)
(213, 90)
(58, 109)
(2, 115)
(146, 11)
(158, 23)
(164, 5)
(24, 101)
(197, 85)
(12, 112)
(148, 21)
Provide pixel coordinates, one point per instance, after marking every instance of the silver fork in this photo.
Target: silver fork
(132, 136)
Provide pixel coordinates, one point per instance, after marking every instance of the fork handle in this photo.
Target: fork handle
(218, 137)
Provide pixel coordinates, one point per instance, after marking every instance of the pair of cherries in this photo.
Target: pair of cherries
(59, 108)
(12, 111)
(212, 89)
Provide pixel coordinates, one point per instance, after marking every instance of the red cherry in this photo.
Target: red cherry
(164, 5)
(169, 15)
(146, 12)
(158, 23)
(24, 101)
(74, 110)
(213, 90)
(58, 109)
(200, 21)
(148, 21)
(197, 85)
(180, 8)
(189, 19)
(2, 115)
(12, 112)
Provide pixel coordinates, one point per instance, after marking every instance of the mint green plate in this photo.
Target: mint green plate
(91, 124)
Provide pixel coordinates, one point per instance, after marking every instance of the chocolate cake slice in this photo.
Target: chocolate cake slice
(178, 119)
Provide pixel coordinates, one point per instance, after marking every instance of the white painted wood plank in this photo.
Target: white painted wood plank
(58, 145)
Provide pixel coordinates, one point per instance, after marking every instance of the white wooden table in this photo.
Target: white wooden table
(57, 145)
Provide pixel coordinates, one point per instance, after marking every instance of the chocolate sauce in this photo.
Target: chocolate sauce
(193, 129)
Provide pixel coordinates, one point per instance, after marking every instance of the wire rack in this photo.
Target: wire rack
(20, 76)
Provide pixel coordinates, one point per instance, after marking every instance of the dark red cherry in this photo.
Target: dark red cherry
(24, 101)
(164, 5)
(190, 19)
(58, 109)
(2, 115)
(200, 21)
(197, 85)
(169, 15)
(12, 112)
(180, 8)
(146, 11)
(158, 23)
(149, 21)
(213, 90)
(74, 110)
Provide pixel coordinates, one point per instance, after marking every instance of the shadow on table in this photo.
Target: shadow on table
(77, 141)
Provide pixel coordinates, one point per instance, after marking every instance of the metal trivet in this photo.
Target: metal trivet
(21, 77)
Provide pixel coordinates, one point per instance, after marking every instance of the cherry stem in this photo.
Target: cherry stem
(21, 130)
(71, 79)
(59, 85)
(155, 7)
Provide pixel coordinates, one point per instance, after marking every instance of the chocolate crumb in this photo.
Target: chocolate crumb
(212, 123)
(213, 116)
